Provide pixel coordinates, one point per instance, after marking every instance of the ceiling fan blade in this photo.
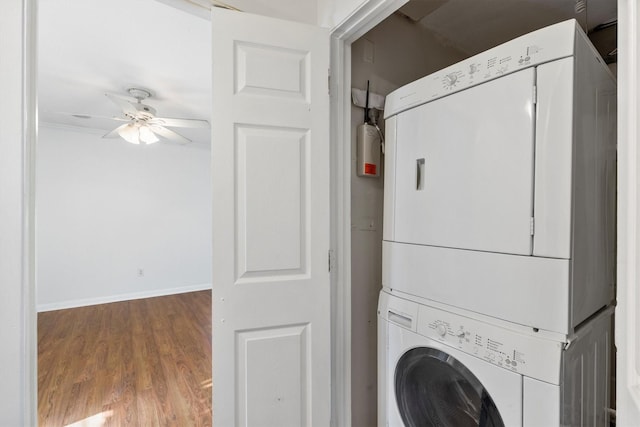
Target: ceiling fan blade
(90, 116)
(179, 123)
(125, 105)
(169, 134)
(115, 133)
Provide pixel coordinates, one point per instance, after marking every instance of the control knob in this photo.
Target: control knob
(441, 330)
(450, 80)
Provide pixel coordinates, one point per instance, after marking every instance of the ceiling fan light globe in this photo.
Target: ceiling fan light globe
(130, 134)
(147, 136)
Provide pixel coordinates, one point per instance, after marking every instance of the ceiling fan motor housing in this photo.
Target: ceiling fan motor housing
(144, 111)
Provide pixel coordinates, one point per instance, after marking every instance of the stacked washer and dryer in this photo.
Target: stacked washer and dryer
(499, 239)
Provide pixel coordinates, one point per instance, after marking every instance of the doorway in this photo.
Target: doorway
(120, 222)
(418, 39)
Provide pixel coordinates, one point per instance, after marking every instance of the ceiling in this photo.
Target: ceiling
(473, 26)
(88, 48)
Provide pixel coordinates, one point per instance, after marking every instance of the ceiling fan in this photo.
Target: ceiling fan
(143, 127)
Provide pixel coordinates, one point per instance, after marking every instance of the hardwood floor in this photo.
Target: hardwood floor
(144, 362)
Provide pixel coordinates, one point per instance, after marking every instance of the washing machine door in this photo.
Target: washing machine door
(434, 389)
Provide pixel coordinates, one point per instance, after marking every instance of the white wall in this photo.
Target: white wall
(333, 12)
(106, 208)
(403, 52)
(326, 13)
(292, 10)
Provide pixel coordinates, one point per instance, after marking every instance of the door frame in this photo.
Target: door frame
(20, 45)
(627, 320)
(345, 33)
(367, 16)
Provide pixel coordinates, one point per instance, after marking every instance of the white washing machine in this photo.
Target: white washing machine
(444, 368)
(500, 183)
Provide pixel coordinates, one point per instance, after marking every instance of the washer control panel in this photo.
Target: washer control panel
(544, 45)
(525, 354)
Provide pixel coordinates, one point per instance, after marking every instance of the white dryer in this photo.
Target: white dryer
(500, 182)
(443, 368)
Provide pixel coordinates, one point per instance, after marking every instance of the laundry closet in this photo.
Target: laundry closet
(396, 52)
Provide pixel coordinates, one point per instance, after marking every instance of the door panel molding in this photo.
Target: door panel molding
(271, 231)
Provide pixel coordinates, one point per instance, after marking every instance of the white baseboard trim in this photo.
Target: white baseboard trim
(122, 297)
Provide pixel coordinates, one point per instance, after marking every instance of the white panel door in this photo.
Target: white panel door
(464, 168)
(271, 289)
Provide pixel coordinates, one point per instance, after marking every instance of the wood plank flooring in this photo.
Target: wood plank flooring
(143, 362)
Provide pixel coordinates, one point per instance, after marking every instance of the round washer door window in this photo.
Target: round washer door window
(434, 389)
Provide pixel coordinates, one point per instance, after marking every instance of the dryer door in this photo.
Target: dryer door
(434, 389)
(464, 169)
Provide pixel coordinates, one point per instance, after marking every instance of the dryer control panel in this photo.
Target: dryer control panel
(534, 357)
(544, 45)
